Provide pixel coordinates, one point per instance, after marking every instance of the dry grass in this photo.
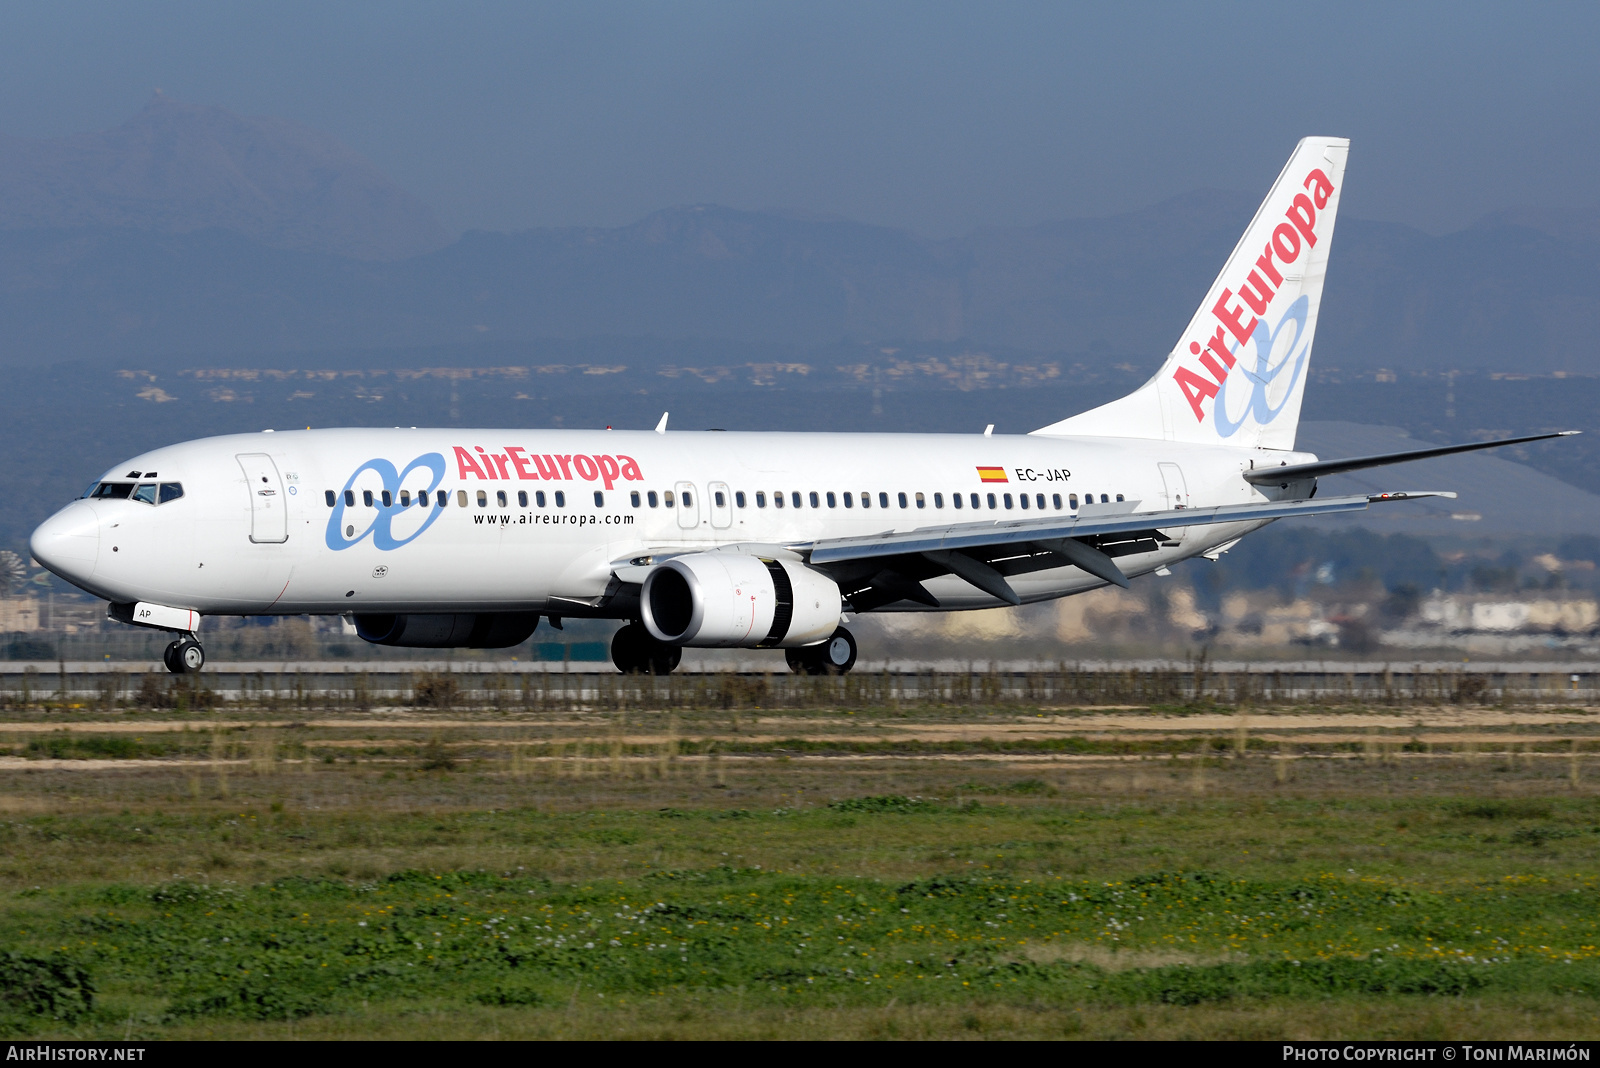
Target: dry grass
(572, 798)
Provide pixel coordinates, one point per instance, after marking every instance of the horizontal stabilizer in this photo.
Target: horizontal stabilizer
(1268, 476)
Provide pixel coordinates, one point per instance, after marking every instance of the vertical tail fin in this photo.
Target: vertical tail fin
(1238, 372)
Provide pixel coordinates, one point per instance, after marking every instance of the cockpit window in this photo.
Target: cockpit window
(117, 491)
(145, 493)
(171, 491)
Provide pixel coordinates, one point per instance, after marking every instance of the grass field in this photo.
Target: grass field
(933, 872)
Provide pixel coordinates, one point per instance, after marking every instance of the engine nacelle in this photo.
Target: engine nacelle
(730, 599)
(466, 630)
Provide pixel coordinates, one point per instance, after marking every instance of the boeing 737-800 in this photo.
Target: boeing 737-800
(450, 538)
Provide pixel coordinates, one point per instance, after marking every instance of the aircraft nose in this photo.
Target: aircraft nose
(68, 543)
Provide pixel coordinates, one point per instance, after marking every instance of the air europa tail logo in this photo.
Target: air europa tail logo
(1295, 235)
(512, 462)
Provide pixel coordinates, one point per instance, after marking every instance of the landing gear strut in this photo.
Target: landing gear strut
(835, 656)
(184, 656)
(635, 652)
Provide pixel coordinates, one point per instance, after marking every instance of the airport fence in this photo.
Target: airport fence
(1196, 684)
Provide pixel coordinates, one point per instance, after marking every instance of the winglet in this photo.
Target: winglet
(661, 427)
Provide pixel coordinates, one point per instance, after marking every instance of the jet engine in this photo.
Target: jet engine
(730, 599)
(470, 630)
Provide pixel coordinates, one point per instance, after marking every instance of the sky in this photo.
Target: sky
(934, 117)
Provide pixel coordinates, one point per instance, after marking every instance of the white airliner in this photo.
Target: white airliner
(452, 538)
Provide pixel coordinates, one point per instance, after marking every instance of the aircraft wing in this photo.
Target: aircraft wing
(879, 569)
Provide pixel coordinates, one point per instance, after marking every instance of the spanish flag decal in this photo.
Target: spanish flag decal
(992, 474)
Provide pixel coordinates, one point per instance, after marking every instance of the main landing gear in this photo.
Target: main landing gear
(635, 652)
(184, 656)
(835, 656)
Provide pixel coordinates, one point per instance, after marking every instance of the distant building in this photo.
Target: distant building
(19, 615)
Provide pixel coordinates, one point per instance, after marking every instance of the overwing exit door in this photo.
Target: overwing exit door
(721, 505)
(688, 505)
(269, 518)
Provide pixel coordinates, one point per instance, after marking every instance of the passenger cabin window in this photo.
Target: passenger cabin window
(833, 500)
(991, 500)
(652, 498)
(920, 502)
(113, 491)
(633, 498)
(538, 498)
(866, 500)
(667, 498)
(500, 498)
(938, 500)
(1104, 499)
(902, 497)
(599, 499)
(330, 497)
(388, 501)
(405, 498)
(883, 500)
(761, 498)
(145, 493)
(794, 498)
(721, 499)
(461, 498)
(849, 500)
(738, 498)
(1038, 498)
(1072, 501)
(171, 491)
(815, 502)
(1119, 496)
(1023, 501)
(1055, 501)
(349, 498)
(483, 499)
(955, 499)
(443, 498)
(366, 498)
(975, 500)
(688, 499)
(522, 499)
(1008, 500)
(561, 499)
(777, 499)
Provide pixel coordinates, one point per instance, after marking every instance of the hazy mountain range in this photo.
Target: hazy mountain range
(190, 230)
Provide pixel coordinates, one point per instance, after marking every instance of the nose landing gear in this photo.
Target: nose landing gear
(184, 656)
(835, 656)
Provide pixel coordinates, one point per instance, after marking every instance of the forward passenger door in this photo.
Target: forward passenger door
(269, 518)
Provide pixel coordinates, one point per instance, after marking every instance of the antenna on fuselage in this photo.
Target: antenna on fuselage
(661, 427)
(988, 431)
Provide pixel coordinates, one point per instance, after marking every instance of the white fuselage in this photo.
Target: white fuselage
(254, 533)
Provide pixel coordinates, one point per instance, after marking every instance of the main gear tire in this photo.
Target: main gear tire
(635, 652)
(836, 656)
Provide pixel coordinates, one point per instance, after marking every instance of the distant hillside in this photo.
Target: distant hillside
(1494, 297)
(190, 230)
(179, 168)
